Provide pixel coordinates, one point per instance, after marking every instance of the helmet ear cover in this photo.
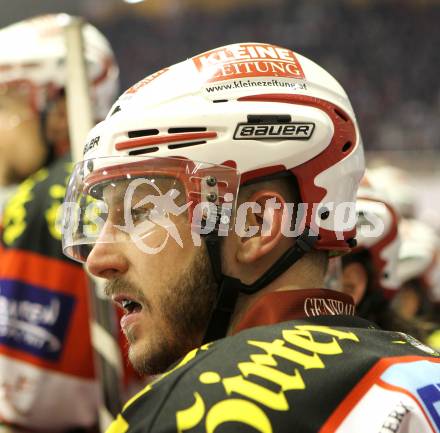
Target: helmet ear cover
(342, 144)
(340, 147)
(383, 267)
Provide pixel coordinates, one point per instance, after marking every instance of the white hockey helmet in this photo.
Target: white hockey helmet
(396, 183)
(33, 54)
(378, 233)
(257, 108)
(418, 254)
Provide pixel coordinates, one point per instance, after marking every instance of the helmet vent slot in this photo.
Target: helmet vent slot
(116, 110)
(216, 101)
(346, 146)
(142, 133)
(143, 151)
(180, 145)
(341, 114)
(186, 129)
(167, 139)
(269, 118)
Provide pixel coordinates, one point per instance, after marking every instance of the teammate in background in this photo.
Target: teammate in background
(417, 300)
(416, 268)
(185, 206)
(370, 270)
(396, 184)
(47, 379)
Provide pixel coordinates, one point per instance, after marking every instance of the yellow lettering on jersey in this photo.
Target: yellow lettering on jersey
(264, 366)
(119, 425)
(53, 218)
(278, 348)
(187, 419)
(240, 411)
(14, 216)
(258, 393)
(285, 381)
(304, 340)
(340, 335)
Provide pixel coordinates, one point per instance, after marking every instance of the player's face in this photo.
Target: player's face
(22, 150)
(167, 296)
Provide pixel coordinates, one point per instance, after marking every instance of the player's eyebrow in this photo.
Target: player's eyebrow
(114, 192)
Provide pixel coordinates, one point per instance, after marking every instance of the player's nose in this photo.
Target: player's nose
(106, 260)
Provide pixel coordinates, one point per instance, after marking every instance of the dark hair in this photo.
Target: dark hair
(374, 306)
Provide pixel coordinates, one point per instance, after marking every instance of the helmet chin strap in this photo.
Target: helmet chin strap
(229, 288)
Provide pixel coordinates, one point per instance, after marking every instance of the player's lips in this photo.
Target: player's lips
(131, 308)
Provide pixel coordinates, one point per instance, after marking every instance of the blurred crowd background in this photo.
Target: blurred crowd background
(385, 53)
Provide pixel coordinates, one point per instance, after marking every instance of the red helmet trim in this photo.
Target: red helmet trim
(107, 65)
(261, 172)
(163, 139)
(344, 133)
(376, 249)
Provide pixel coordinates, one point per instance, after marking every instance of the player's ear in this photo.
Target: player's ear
(262, 220)
(354, 281)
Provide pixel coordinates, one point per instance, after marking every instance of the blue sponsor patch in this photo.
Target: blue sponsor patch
(430, 396)
(33, 319)
(422, 380)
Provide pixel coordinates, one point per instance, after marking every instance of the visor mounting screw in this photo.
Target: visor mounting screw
(211, 181)
(324, 213)
(225, 219)
(352, 242)
(212, 196)
(90, 165)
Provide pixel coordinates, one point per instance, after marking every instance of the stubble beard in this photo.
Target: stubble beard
(185, 310)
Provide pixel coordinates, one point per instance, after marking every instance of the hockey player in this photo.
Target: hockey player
(210, 200)
(47, 379)
(417, 266)
(370, 269)
(417, 259)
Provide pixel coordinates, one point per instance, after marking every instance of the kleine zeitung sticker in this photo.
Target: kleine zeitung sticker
(248, 60)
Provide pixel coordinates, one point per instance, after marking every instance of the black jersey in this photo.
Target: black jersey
(321, 374)
(44, 313)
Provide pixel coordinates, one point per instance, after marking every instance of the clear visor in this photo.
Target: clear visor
(145, 201)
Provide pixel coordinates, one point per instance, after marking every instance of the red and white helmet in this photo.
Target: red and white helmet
(378, 233)
(418, 254)
(33, 52)
(256, 107)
